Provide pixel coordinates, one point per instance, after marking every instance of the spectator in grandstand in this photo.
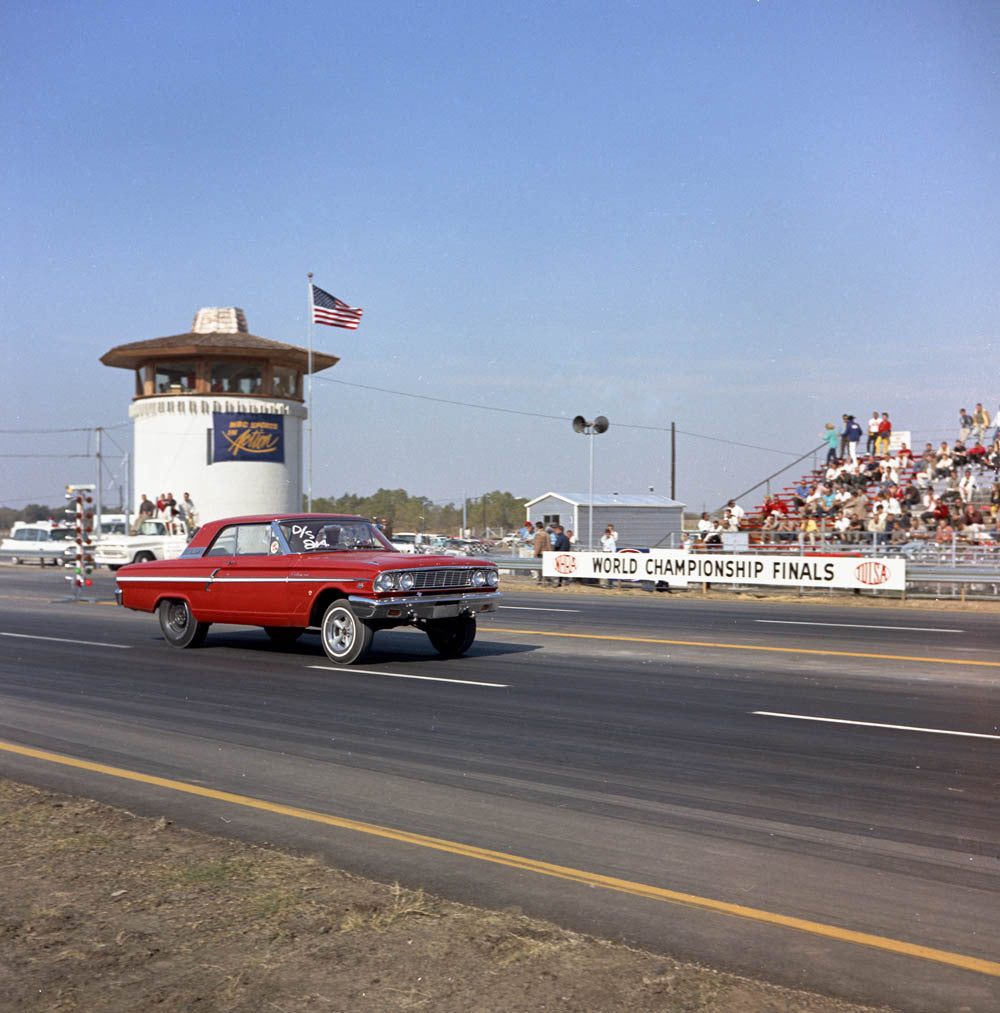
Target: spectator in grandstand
(967, 486)
(980, 421)
(808, 529)
(884, 435)
(872, 434)
(786, 529)
(945, 465)
(876, 525)
(843, 435)
(959, 455)
(830, 438)
(714, 537)
(993, 456)
(972, 520)
(730, 522)
(995, 501)
(841, 526)
(965, 421)
(768, 528)
(928, 458)
(738, 513)
(853, 432)
(976, 454)
(705, 526)
(904, 456)
(799, 496)
(945, 532)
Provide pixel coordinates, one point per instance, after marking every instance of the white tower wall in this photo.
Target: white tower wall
(173, 451)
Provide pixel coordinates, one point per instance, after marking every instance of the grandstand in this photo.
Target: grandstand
(944, 496)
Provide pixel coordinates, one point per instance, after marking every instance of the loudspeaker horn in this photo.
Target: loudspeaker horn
(601, 424)
(579, 424)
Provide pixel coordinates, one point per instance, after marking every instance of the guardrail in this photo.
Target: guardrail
(974, 576)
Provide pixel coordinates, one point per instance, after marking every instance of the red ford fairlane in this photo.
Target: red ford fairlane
(287, 574)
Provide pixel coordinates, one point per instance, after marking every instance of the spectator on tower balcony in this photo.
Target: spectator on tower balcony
(872, 434)
(884, 435)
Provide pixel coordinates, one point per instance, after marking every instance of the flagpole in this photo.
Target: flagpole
(309, 404)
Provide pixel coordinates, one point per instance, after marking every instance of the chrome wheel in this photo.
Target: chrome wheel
(345, 637)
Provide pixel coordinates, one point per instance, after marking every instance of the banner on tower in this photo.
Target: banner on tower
(248, 437)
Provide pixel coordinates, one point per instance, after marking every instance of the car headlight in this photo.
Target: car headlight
(479, 578)
(493, 578)
(406, 581)
(385, 582)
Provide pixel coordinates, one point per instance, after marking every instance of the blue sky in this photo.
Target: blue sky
(742, 217)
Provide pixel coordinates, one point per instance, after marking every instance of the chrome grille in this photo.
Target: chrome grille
(442, 576)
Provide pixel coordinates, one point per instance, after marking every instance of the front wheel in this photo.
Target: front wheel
(144, 557)
(179, 626)
(451, 638)
(346, 638)
(284, 636)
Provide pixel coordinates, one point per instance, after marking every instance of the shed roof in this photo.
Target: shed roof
(610, 499)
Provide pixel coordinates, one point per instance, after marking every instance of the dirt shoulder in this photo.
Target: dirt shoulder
(105, 910)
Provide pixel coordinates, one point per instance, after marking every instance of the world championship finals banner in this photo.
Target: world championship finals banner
(677, 567)
(248, 437)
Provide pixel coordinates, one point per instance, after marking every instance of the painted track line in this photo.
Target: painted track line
(834, 932)
(875, 724)
(741, 647)
(64, 640)
(857, 626)
(348, 670)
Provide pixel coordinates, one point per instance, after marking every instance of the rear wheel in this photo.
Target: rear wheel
(452, 637)
(179, 626)
(143, 557)
(346, 638)
(284, 636)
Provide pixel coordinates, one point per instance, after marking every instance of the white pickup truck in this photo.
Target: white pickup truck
(153, 540)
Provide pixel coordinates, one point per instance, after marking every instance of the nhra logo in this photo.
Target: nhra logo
(872, 573)
(565, 564)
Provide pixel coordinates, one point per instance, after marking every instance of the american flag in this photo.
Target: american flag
(328, 309)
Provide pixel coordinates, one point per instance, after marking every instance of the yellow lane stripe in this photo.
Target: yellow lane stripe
(967, 963)
(740, 647)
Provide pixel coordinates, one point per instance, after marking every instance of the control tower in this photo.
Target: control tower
(218, 413)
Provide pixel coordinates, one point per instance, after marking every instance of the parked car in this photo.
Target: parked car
(327, 572)
(30, 540)
(153, 540)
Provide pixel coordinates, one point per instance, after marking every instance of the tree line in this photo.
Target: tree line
(496, 511)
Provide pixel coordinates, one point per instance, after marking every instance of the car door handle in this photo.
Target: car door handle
(211, 577)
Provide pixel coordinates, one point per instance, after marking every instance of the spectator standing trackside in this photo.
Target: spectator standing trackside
(560, 543)
(609, 543)
(542, 544)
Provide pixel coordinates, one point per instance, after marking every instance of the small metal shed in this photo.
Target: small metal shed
(644, 521)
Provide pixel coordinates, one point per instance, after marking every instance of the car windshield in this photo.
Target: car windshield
(323, 534)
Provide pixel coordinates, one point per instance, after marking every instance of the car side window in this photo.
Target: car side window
(253, 540)
(224, 543)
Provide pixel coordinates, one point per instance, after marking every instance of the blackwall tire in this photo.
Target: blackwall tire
(179, 626)
(144, 557)
(451, 638)
(284, 636)
(345, 637)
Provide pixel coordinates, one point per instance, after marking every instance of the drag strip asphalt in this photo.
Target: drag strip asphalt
(640, 764)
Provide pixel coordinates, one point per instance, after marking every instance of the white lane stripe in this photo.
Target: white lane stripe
(876, 724)
(533, 608)
(858, 626)
(63, 640)
(398, 675)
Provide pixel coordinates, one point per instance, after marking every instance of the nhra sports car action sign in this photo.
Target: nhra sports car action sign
(674, 566)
